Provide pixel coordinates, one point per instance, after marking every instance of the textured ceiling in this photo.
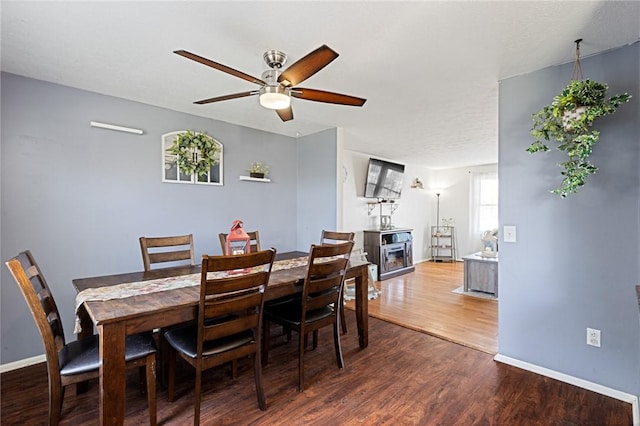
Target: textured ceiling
(429, 70)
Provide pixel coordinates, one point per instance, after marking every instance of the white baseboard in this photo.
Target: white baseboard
(584, 384)
(22, 363)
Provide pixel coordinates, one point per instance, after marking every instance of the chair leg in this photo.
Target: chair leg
(265, 341)
(257, 372)
(163, 356)
(142, 378)
(343, 321)
(234, 369)
(171, 387)
(301, 344)
(315, 339)
(56, 396)
(338, 346)
(198, 395)
(151, 389)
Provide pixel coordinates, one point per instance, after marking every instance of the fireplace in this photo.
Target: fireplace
(393, 257)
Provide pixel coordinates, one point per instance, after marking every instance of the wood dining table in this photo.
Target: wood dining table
(116, 318)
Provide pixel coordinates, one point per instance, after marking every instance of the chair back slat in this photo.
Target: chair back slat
(334, 237)
(178, 240)
(234, 282)
(330, 267)
(320, 301)
(167, 249)
(231, 327)
(217, 308)
(169, 256)
(324, 284)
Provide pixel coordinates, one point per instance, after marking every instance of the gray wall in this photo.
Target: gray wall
(317, 192)
(575, 263)
(79, 197)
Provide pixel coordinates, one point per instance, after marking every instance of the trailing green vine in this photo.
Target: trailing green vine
(195, 152)
(572, 130)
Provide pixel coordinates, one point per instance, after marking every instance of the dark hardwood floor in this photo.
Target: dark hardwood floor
(404, 377)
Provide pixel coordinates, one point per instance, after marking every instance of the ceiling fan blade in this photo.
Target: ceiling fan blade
(328, 97)
(220, 67)
(307, 66)
(227, 97)
(285, 114)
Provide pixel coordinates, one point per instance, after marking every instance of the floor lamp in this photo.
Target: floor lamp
(438, 213)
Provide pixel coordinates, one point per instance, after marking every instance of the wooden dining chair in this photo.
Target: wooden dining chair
(178, 250)
(229, 323)
(319, 304)
(254, 241)
(77, 361)
(167, 249)
(333, 237)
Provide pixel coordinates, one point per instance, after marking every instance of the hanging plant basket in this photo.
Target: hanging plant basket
(568, 116)
(568, 121)
(195, 152)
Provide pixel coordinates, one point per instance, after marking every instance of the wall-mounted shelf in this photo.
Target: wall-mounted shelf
(372, 205)
(385, 219)
(255, 179)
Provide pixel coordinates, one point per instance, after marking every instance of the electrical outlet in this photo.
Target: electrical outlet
(593, 337)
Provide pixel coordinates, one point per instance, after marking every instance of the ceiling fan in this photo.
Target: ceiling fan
(276, 86)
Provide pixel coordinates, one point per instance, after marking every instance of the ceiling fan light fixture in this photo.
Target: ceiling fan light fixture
(275, 97)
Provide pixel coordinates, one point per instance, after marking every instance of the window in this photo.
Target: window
(171, 172)
(483, 203)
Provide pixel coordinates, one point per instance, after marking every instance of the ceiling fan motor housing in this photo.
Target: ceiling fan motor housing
(275, 58)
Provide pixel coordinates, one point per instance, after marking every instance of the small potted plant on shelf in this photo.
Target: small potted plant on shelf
(568, 121)
(258, 170)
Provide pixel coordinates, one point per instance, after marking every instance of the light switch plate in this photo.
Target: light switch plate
(509, 233)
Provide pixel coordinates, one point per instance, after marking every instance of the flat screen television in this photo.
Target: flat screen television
(384, 180)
